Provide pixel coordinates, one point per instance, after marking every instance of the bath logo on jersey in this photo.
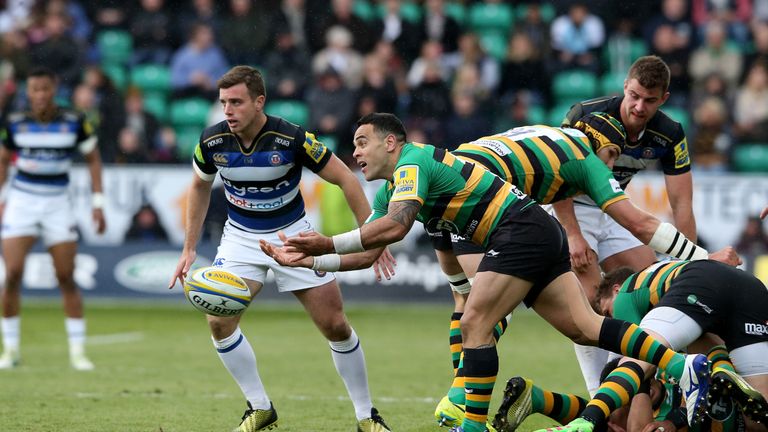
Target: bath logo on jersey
(406, 182)
(275, 159)
(649, 153)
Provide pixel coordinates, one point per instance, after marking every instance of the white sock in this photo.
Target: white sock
(240, 360)
(11, 330)
(592, 360)
(76, 335)
(350, 364)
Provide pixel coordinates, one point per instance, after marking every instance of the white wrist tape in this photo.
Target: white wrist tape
(459, 283)
(97, 200)
(670, 241)
(327, 263)
(348, 242)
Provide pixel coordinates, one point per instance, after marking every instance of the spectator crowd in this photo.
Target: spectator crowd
(145, 72)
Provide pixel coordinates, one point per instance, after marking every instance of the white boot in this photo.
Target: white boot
(10, 358)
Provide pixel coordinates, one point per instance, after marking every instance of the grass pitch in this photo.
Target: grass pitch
(156, 369)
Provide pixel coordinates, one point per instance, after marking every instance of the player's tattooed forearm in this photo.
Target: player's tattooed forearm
(404, 212)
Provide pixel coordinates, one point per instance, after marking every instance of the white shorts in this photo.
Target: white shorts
(49, 217)
(239, 253)
(603, 234)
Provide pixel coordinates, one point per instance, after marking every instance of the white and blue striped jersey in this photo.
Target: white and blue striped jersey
(261, 184)
(44, 151)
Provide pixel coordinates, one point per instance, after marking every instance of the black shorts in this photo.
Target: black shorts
(530, 245)
(723, 300)
(445, 241)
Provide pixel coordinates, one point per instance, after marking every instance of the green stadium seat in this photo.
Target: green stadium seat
(117, 74)
(186, 140)
(292, 110)
(363, 9)
(495, 44)
(574, 85)
(750, 157)
(191, 112)
(618, 60)
(679, 115)
(157, 105)
(557, 114)
(409, 10)
(612, 83)
(548, 11)
(152, 78)
(456, 11)
(484, 17)
(537, 115)
(115, 46)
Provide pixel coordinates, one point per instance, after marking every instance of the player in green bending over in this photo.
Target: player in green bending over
(526, 258)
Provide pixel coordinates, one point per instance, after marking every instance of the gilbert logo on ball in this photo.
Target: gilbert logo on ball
(217, 292)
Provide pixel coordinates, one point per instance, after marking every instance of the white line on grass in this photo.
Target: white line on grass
(115, 338)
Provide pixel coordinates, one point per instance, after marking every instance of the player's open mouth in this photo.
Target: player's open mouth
(362, 164)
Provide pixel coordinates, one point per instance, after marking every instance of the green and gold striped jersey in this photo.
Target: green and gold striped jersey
(456, 196)
(549, 164)
(643, 290)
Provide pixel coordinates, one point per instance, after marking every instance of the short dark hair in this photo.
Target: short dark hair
(385, 124)
(613, 277)
(651, 72)
(42, 71)
(248, 75)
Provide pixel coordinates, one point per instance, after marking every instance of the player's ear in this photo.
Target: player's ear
(616, 288)
(391, 142)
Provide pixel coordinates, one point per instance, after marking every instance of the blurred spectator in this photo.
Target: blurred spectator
(108, 14)
(248, 32)
(331, 106)
(714, 86)
(467, 123)
(405, 36)
(286, 65)
(292, 16)
(340, 15)
(111, 110)
(753, 239)
(145, 226)
(58, 51)
(619, 47)
(430, 103)
(378, 86)
(760, 40)
(516, 113)
(677, 59)
(751, 112)
(151, 27)
(144, 124)
(394, 66)
(130, 148)
(14, 49)
(711, 139)
(716, 56)
(577, 38)
(431, 53)
(471, 52)
(84, 100)
(523, 69)
(197, 65)
(467, 82)
(14, 15)
(80, 28)
(537, 30)
(339, 55)
(202, 11)
(674, 14)
(734, 14)
(166, 150)
(436, 26)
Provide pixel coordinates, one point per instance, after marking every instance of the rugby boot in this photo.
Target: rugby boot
(258, 419)
(449, 414)
(374, 423)
(695, 386)
(10, 359)
(578, 425)
(729, 385)
(516, 405)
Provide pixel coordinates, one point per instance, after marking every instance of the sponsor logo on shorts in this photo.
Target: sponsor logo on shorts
(492, 253)
(756, 329)
(320, 274)
(692, 299)
(219, 262)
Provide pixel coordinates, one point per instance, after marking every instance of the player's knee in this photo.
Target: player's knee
(222, 327)
(65, 277)
(13, 277)
(575, 334)
(335, 329)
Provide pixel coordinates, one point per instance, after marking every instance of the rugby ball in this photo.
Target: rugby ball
(217, 292)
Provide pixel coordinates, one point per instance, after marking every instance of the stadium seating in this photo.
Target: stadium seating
(457, 11)
(115, 46)
(152, 78)
(157, 105)
(116, 74)
(191, 112)
(491, 17)
(574, 85)
(495, 44)
(679, 115)
(186, 140)
(363, 9)
(548, 11)
(612, 83)
(750, 157)
(557, 114)
(409, 10)
(292, 110)
(618, 60)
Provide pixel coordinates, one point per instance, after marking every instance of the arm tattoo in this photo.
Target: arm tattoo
(404, 212)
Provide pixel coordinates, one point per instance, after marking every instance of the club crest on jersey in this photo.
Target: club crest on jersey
(220, 159)
(275, 159)
(648, 153)
(406, 182)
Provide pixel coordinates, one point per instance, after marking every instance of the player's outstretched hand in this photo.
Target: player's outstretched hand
(726, 255)
(384, 265)
(182, 268)
(283, 257)
(309, 243)
(581, 256)
(764, 213)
